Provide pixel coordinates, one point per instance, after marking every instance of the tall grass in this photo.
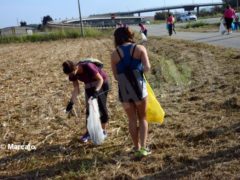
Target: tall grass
(52, 35)
(195, 24)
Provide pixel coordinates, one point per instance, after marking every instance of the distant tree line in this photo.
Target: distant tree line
(214, 11)
(160, 15)
(45, 20)
(233, 3)
(23, 23)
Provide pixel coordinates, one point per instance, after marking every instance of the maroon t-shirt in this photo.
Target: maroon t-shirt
(90, 70)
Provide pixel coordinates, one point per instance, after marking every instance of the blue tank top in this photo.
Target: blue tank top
(128, 61)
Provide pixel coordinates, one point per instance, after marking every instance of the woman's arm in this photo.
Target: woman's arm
(99, 82)
(144, 59)
(113, 64)
(75, 91)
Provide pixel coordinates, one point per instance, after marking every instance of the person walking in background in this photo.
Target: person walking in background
(229, 15)
(143, 29)
(96, 86)
(129, 61)
(237, 24)
(170, 24)
(174, 24)
(120, 24)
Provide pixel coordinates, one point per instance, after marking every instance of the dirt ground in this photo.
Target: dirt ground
(197, 84)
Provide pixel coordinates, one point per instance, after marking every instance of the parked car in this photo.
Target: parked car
(147, 22)
(144, 21)
(187, 17)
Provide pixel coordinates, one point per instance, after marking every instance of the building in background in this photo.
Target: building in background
(17, 31)
(110, 21)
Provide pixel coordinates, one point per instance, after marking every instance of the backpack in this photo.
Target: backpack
(131, 76)
(97, 62)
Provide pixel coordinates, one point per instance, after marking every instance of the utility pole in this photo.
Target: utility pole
(80, 18)
(165, 14)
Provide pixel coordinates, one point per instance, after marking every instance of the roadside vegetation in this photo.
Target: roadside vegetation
(195, 24)
(157, 21)
(52, 35)
(216, 15)
(198, 26)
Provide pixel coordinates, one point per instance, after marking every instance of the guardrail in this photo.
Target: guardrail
(78, 26)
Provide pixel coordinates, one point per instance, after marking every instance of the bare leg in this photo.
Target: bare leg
(130, 109)
(143, 124)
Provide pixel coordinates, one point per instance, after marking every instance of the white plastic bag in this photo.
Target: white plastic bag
(93, 122)
(144, 38)
(222, 28)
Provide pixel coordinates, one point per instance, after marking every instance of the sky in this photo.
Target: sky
(32, 11)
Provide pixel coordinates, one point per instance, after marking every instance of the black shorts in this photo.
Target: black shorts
(145, 32)
(229, 22)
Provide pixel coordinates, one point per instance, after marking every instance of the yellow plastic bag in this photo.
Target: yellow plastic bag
(155, 113)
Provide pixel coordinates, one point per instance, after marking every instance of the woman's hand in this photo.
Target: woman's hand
(75, 91)
(95, 95)
(69, 106)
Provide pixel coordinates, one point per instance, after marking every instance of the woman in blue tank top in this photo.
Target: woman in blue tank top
(129, 61)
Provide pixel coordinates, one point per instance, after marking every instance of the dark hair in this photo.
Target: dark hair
(123, 35)
(228, 6)
(68, 67)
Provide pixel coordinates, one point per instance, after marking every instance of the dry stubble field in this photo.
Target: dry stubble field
(198, 86)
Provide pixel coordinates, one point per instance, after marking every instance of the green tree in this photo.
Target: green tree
(46, 19)
(233, 3)
(160, 16)
(23, 23)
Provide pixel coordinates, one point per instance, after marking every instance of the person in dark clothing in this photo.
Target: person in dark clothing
(229, 15)
(96, 86)
(237, 23)
(170, 24)
(143, 29)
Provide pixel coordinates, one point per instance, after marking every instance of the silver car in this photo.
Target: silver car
(188, 17)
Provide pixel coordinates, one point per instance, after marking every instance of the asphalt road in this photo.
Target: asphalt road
(215, 38)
